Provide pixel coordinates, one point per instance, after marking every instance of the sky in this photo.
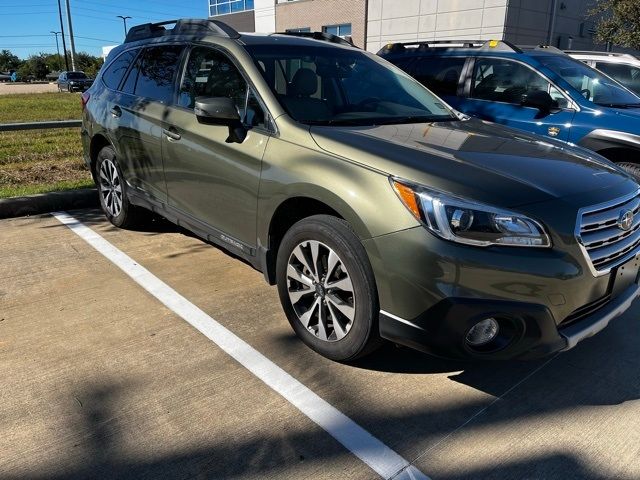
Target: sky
(26, 24)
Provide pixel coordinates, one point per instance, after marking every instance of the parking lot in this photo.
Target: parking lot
(100, 379)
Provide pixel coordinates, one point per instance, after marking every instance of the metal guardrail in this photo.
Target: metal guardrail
(12, 127)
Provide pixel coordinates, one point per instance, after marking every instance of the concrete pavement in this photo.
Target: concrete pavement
(7, 88)
(101, 380)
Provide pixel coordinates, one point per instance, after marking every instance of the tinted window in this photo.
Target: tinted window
(153, 73)
(627, 75)
(440, 74)
(76, 75)
(210, 73)
(336, 86)
(506, 81)
(114, 73)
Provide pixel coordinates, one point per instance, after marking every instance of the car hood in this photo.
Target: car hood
(474, 158)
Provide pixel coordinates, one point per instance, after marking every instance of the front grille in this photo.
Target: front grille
(605, 243)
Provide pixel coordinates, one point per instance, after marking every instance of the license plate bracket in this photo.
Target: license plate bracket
(625, 276)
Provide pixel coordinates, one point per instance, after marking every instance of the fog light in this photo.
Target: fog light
(483, 332)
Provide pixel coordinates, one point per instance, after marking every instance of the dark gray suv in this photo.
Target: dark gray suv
(378, 210)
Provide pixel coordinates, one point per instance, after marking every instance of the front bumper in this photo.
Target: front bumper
(441, 330)
(432, 291)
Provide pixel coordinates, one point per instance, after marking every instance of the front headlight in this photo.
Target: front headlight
(467, 221)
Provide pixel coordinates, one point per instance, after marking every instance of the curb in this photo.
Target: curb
(48, 202)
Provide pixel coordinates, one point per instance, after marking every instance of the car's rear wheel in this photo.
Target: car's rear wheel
(327, 288)
(112, 190)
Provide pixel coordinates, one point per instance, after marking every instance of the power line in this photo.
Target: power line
(23, 5)
(28, 13)
(77, 36)
(121, 8)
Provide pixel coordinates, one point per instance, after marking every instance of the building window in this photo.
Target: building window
(343, 30)
(224, 7)
(297, 30)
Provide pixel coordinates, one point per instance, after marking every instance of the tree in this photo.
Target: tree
(88, 63)
(35, 65)
(8, 61)
(618, 22)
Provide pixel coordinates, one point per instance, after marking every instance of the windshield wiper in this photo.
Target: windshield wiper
(619, 105)
(369, 122)
(416, 119)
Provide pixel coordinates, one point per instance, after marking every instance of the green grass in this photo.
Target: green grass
(35, 107)
(19, 191)
(40, 161)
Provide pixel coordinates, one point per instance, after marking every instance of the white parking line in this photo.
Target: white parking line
(382, 459)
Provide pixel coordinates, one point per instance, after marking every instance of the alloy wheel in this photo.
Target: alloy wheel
(321, 291)
(110, 187)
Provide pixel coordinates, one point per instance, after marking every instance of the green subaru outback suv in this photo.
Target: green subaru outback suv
(379, 211)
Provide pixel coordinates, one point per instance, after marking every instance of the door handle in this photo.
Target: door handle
(116, 112)
(171, 134)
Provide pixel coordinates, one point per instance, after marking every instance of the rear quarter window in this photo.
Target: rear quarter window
(115, 72)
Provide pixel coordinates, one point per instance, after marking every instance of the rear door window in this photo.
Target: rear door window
(154, 72)
(440, 74)
(115, 72)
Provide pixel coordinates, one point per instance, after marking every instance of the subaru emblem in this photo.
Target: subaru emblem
(625, 220)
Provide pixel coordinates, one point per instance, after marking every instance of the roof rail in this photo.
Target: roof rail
(604, 54)
(499, 45)
(323, 36)
(549, 48)
(184, 26)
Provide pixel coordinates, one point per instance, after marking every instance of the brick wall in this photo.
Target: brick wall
(318, 13)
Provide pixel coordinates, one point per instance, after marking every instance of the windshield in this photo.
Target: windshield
(593, 85)
(76, 75)
(335, 86)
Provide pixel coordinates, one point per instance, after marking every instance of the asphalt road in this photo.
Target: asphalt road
(101, 380)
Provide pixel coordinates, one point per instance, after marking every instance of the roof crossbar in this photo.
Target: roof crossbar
(323, 36)
(185, 26)
(499, 45)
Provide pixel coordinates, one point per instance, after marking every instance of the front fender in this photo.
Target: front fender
(362, 196)
(600, 139)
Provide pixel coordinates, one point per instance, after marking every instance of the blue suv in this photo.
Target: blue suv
(538, 89)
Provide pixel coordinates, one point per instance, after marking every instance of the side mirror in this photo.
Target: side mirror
(221, 111)
(216, 110)
(541, 100)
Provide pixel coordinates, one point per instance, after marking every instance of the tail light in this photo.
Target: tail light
(84, 99)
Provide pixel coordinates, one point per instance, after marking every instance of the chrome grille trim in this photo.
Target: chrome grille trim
(604, 245)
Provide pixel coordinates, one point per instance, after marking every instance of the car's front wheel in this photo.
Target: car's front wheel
(112, 190)
(327, 288)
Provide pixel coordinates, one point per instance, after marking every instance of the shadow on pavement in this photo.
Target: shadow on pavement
(601, 372)
(99, 432)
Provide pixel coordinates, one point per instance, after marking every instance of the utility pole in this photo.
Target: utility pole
(64, 43)
(552, 22)
(73, 43)
(57, 47)
(124, 19)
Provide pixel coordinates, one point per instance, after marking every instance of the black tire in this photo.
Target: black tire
(129, 215)
(632, 169)
(363, 336)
